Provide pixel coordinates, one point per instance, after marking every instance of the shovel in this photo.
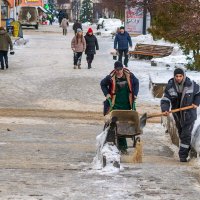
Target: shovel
(144, 117)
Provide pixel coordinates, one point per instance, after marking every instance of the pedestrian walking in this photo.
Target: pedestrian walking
(78, 46)
(61, 15)
(5, 43)
(91, 46)
(64, 24)
(180, 92)
(121, 43)
(77, 25)
(120, 88)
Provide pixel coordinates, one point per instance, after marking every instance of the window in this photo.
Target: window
(4, 10)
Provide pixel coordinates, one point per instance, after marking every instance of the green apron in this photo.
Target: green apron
(122, 103)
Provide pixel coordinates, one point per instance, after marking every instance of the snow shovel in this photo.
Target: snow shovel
(144, 117)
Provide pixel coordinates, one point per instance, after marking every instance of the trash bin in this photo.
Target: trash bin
(10, 30)
(8, 22)
(16, 26)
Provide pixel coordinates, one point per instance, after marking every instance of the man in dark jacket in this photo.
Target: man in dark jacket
(77, 25)
(120, 88)
(91, 46)
(5, 43)
(180, 92)
(123, 41)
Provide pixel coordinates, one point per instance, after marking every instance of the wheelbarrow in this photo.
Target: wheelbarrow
(123, 124)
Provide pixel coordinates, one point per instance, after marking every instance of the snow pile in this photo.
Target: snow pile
(148, 39)
(110, 152)
(171, 61)
(86, 24)
(109, 26)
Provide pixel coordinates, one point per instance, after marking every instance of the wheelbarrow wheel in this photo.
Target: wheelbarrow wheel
(135, 140)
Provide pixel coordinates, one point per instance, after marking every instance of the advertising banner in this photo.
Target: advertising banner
(134, 20)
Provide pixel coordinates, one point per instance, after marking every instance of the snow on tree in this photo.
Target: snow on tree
(86, 13)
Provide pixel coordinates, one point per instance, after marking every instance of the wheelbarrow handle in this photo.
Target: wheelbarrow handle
(171, 111)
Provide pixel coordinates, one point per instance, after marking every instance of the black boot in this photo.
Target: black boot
(89, 66)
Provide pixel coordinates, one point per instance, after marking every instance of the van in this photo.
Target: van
(28, 16)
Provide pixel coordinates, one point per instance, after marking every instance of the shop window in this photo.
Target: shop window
(4, 10)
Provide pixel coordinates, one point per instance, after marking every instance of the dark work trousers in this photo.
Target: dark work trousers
(185, 133)
(77, 58)
(125, 52)
(4, 59)
(64, 31)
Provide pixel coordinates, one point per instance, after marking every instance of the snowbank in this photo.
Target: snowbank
(171, 61)
(109, 26)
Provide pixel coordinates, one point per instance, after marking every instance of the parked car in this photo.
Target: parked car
(28, 16)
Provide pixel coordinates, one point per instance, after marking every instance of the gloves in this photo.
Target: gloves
(12, 52)
(110, 102)
(108, 96)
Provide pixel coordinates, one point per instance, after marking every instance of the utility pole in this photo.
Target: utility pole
(0, 12)
(144, 32)
(125, 8)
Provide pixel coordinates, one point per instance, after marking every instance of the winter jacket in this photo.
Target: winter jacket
(5, 41)
(108, 86)
(190, 95)
(122, 41)
(64, 24)
(91, 44)
(76, 26)
(80, 46)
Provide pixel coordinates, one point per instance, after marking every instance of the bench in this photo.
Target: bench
(149, 51)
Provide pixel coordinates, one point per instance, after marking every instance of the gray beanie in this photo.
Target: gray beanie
(79, 30)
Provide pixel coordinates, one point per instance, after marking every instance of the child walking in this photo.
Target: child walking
(78, 46)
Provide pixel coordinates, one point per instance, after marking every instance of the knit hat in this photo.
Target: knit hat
(90, 30)
(122, 27)
(118, 65)
(79, 30)
(179, 71)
